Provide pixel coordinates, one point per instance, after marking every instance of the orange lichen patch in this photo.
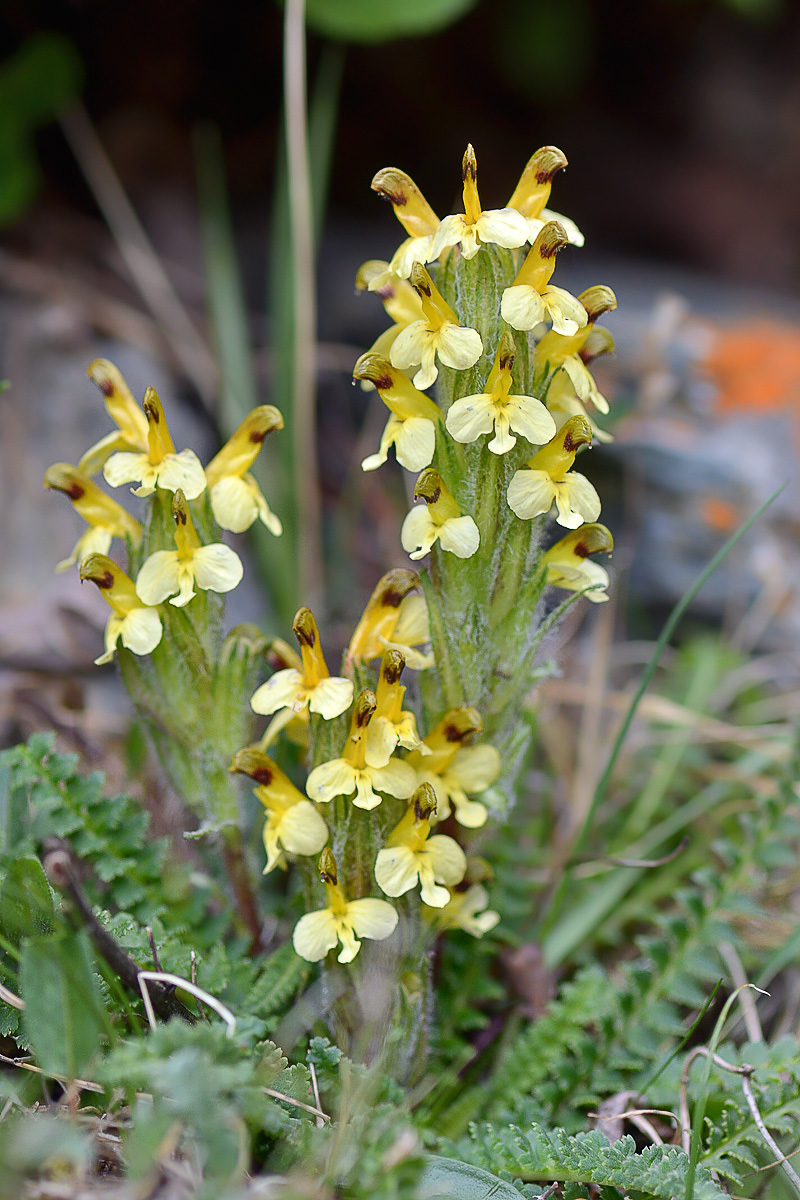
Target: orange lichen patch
(720, 515)
(755, 366)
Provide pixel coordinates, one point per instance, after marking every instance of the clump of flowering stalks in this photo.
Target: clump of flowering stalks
(377, 806)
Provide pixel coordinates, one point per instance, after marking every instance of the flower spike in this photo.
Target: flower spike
(106, 519)
(293, 824)
(437, 333)
(503, 226)
(548, 479)
(395, 618)
(127, 415)
(160, 466)
(312, 686)
(533, 191)
(136, 625)
(495, 410)
(236, 498)
(569, 566)
(438, 519)
(342, 921)
(412, 856)
(214, 568)
(531, 298)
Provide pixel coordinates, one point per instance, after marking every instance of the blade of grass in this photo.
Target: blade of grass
(670, 625)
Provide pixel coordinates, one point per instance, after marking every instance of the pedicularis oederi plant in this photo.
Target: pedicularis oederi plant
(390, 765)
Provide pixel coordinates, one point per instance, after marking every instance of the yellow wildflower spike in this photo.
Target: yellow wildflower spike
(548, 479)
(106, 519)
(293, 824)
(391, 724)
(395, 618)
(411, 428)
(160, 466)
(569, 566)
(214, 568)
(454, 770)
(309, 687)
(236, 498)
(438, 519)
(437, 333)
(495, 410)
(352, 773)
(531, 298)
(533, 191)
(414, 214)
(342, 921)
(135, 624)
(411, 855)
(470, 229)
(127, 415)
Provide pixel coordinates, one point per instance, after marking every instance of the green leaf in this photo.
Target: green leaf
(381, 20)
(62, 1004)
(26, 904)
(44, 75)
(449, 1179)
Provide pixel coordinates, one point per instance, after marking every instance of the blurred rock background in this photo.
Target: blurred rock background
(681, 120)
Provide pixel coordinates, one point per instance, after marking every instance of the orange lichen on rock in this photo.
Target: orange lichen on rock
(755, 366)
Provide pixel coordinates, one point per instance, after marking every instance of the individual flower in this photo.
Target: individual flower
(437, 333)
(411, 428)
(106, 519)
(293, 824)
(282, 657)
(438, 519)
(494, 409)
(414, 214)
(411, 855)
(468, 910)
(555, 351)
(342, 921)
(531, 298)
(236, 498)
(136, 625)
(455, 771)
(391, 725)
(548, 479)
(533, 191)
(568, 565)
(563, 403)
(503, 226)
(127, 415)
(395, 618)
(400, 300)
(159, 465)
(352, 773)
(214, 568)
(311, 686)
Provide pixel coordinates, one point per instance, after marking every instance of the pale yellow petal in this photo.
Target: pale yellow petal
(474, 768)
(396, 870)
(375, 919)
(159, 577)
(407, 346)
(382, 738)
(529, 418)
(315, 934)
(366, 797)
(503, 226)
(217, 568)
(418, 532)
(450, 232)
(286, 689)
(457, 347)
(301, 829)
(184, 471)
(531, 493)
(460, 536)
(125, 467)
(574, 235)
(447, 859)
(141, 630)
(522, 307)
(432, 895)
(93, 540)
(331, 779)
(415, 443)
(469, 813)
(470, 417)
(331, 697)
(397, 777)
(583, 496)
(233, 504)
(350, 947)
(186, 590)
(567, 314)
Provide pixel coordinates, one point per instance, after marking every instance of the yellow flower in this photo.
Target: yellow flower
(401, 302)
(411, 855)
(414, 214)
(342, 921)
(136, 625)
(556, 351)
(469, 911)
(531, 299)
(293, 824)
(533, 191)
(159, 465)
(106, 519)
(391, 725)
(131, 431)
(438, 519)
(311, 686)
(503, 226)
(437, 333)
(236, 498)
(395, 618)
(548, 478)
(214, 568)
(351, 773)
(495, 409)
(281, 657)
(455, 771)
(411, 428)
(568, 565)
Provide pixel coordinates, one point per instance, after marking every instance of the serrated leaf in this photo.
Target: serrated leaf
(62, 1014)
